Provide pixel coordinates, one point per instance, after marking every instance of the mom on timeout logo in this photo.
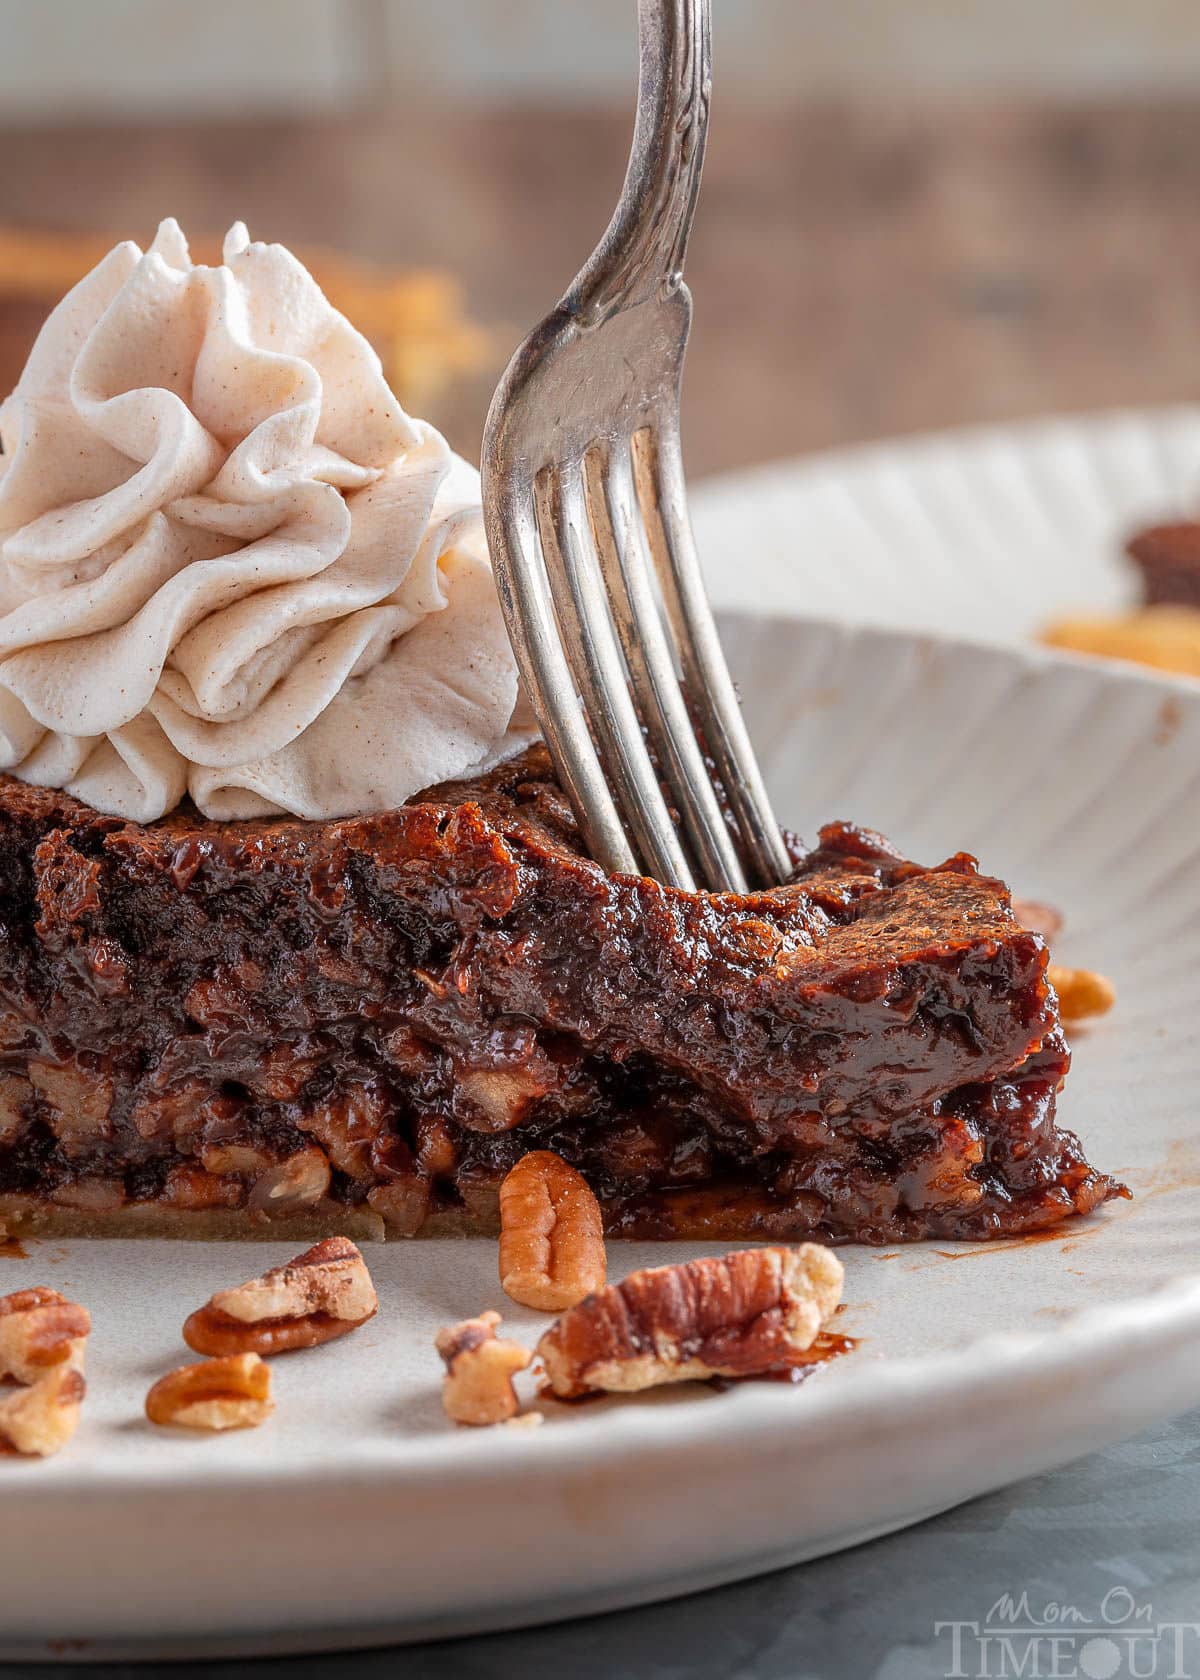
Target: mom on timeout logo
(1123, 1640)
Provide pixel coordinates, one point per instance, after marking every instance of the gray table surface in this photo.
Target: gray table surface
(1115, 1531)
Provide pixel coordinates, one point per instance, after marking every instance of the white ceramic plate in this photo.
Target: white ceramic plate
(986, 532)
(357, 1515)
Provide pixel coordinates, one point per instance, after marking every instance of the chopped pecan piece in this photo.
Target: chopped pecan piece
(500, 1095)
(346, 1125)
(1081, 992)
(480, 1367)
(222, 1159)
(323, 1293)
(39, 1328)
(436, 1151)
(193, 1190)
(551, 1236)
(732, 1315)
(404, 1204)
(38, 1420)
(299, 1182)
(77, 1103)
(229, 1393)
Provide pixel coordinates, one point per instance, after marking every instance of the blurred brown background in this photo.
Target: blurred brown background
(915, 213)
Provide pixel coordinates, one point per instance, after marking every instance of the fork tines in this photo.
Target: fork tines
(623, 666)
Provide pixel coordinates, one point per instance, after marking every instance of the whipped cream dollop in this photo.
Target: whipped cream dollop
(231, 566)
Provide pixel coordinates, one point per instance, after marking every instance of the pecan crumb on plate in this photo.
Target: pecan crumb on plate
(480, 1366)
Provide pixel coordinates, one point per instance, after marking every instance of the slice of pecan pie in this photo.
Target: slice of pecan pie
(360, 1026)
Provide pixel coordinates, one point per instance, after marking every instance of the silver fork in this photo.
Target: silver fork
(587, 521)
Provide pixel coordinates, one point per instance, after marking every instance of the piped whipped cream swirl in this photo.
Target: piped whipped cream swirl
(231, 566)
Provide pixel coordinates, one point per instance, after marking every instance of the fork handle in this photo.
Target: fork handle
(642, 251)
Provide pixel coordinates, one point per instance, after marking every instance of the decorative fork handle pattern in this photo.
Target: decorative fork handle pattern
(642, 251)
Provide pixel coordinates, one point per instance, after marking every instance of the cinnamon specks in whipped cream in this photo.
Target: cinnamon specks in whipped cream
(231, 566)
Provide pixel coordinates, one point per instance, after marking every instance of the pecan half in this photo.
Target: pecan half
(732, 1315)
(323, 1293)
(39, 1328)
(229, 1393)
(1081, 992)
(480, 1367)
(38, 1420)
(551, 1236)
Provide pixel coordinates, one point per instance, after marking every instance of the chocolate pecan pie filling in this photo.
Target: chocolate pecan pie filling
(360, 1026)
